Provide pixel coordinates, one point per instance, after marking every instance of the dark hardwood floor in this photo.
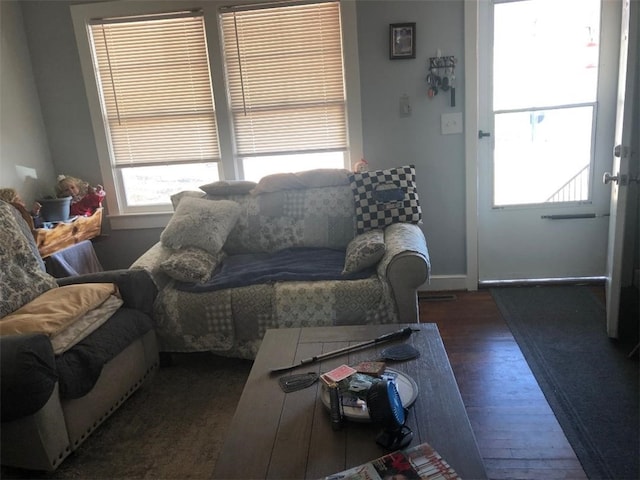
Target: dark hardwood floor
(516, 430)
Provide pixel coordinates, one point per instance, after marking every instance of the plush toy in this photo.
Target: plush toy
(85, 199)
(360, 166)
(10, 195)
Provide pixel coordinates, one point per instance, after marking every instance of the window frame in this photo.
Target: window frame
(122, 216)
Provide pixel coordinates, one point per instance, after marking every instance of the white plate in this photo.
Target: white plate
(407, 388)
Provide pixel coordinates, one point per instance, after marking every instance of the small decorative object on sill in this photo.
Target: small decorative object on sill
(360, 166)
(85, 199)
(55, 209)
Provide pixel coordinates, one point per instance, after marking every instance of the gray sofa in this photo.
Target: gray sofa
(323, 214)
(59, 384)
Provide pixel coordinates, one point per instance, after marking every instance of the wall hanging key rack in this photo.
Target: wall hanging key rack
(441, 76)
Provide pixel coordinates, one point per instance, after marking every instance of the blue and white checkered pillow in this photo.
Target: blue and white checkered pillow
(383, 197)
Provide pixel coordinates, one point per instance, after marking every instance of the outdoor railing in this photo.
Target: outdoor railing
(574, 190)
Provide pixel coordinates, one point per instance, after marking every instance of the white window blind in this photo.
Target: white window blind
(155, 87)
(285, 79)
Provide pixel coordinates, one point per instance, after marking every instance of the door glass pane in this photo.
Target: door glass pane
(542, 156)
(545, 69)
(545, 53)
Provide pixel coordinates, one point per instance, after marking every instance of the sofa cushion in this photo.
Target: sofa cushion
(383, 197)
(55, 309)
(232, 187)
(364, 251)
(21, 276)
(191, 264)
(321, 177)
(176, 197)
(200, 223)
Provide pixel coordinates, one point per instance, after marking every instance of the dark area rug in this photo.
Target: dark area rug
(172, 428)
(588, 379)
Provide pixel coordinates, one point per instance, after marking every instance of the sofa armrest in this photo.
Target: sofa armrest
(151, 261)
(406, 266)
(28, 375)
(136, 287)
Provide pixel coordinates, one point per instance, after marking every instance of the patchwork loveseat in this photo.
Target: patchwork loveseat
(318, 248)
(72, 350)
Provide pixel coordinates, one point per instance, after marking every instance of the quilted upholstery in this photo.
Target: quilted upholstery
(233, 321)
(21, 277)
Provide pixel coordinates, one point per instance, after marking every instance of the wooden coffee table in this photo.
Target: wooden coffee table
(289, 436)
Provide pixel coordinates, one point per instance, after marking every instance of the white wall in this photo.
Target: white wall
(391, 140)
(25, 162)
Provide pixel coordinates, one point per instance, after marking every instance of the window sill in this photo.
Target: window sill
(138, 221)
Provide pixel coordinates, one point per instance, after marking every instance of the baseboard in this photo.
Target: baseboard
(441, 283)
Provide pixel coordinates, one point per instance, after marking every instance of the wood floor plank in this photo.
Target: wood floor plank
(516, 430)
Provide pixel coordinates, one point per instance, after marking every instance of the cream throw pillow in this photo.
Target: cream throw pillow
(321, 177)
(201, 223)
(229, 187)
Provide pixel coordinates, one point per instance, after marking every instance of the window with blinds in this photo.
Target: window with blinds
(153, 73)
(150, 78)
(285, 79)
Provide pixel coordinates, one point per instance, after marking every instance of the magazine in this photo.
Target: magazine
(421, 462)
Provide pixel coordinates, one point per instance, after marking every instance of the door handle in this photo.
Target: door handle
(607, 178)
(482, 134)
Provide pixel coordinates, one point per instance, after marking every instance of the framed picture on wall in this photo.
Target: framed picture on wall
(402, 40)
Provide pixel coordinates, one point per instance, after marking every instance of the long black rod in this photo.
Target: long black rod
(405, 332)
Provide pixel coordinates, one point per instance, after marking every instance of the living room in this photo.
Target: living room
(51, 134)
(46, 126)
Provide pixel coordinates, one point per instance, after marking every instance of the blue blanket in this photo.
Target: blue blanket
(74, 260)
(292, 264)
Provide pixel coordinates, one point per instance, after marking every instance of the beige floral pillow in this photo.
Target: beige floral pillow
(365, 250)
(192, 265)
(201, 223)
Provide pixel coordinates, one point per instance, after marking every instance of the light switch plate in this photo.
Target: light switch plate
(451, 123)
(405, 106)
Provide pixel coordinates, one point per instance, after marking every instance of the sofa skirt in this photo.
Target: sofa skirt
(232, 322)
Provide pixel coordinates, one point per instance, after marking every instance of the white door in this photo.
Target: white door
(622, 173)
(546, 74)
